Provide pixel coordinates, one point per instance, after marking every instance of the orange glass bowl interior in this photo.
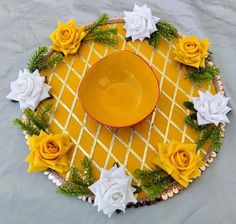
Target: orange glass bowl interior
(119, 90)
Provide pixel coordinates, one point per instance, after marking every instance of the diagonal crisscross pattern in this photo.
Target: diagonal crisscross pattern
(133, 147)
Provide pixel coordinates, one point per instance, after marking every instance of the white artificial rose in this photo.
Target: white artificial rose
(211, 109)
(29, 89)
(113, 190)
(140, 23)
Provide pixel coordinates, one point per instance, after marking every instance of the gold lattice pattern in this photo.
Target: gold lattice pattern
(133, 147)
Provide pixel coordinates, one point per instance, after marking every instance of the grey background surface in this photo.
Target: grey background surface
(31, 198)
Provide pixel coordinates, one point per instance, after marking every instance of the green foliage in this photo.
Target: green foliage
(78, 183)
(154, 39)
(128, 39)
(34, 122)
(200, 75)
(190, 106)
(41, 59)
(206, 134)
(102, 20)
(73, 190)
(138, 189)
(87, 167)
(164, 29)
(212, 133)
(116, 164)
(209, 132)
(153, 181)
(191, 120)
(42, 116)
(97, 34)
(216, 139)
(25, 126)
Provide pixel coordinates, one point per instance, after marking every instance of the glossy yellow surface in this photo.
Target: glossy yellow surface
(135, 148)
(119, 90)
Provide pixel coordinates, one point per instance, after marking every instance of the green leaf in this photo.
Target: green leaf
(153, 181)
(165, 30)
(102, 20)
(42, 116)
(97, 34)
(190, 106)
(202, 74)
(116, 164)
(87, 166)
(25, 126)
(36, 58)
(78, 183)
(138, 189)
(154, 39)
(191, 120)
(34, 121)
(216, 138)
(206, 134)
(42, 59)
(127, 39)
(73, 190)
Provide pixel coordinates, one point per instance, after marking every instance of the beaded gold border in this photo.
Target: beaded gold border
(175, 187)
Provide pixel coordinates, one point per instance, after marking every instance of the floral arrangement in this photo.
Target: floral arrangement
(176, 161)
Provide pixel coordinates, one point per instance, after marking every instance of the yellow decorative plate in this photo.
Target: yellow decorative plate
(133, 147)
(119, 90)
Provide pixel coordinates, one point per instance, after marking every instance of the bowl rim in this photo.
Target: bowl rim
(121, 126)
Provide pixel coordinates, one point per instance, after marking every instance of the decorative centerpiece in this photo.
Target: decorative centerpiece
(116, 85)
(90, 114)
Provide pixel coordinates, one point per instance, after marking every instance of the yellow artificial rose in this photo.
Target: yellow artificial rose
(67, 37)
(179, 160)
(48, 151)
(192, 51)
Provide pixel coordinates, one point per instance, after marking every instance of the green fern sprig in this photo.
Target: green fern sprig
(42, 116)
(102, 20)
(209, 132)
(206, 134)
(191, 119)
(200, 75)
(216, 138)
(43, 59)
(165, 30)
(87, 167)
(78, 183)
(26, 126)
(97, 34)
(153, 181)
(36, 58)
(73, 190)
(34, 122)
(212, 133)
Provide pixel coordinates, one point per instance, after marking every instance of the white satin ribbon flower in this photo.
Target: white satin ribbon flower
(113, 190)
(140, 23)
(29, 89)
(211, 109)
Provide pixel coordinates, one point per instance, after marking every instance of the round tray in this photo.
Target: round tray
(133, 147)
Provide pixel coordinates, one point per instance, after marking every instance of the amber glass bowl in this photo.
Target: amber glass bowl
(120, 90)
